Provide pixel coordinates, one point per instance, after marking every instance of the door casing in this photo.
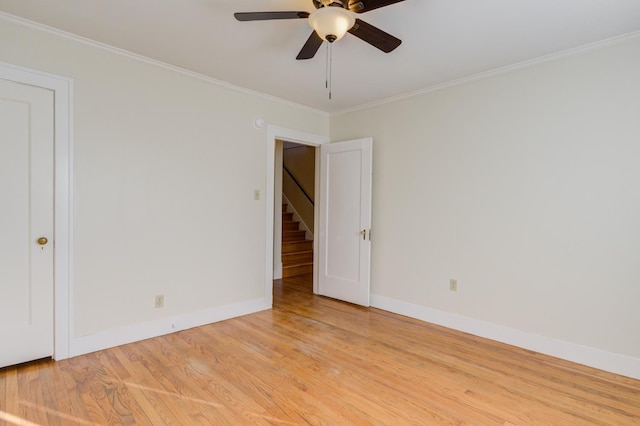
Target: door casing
(273, 201)
(63, 199)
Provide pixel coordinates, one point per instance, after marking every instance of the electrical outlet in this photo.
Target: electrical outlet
(453, 285)
(160, 301)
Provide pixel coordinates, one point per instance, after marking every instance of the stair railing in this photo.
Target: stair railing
(293, 178)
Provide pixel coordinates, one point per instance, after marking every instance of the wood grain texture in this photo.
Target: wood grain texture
(314, 360)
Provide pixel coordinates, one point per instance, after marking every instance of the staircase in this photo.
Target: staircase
(297, 251)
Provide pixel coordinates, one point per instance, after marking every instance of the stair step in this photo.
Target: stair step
(291, 271)
(297, 258)
(293, 235)
(287, 217)
(290, 226)
(296, 246)
(297, 251)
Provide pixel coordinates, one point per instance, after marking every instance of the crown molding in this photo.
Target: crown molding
(497, 71)
(131, 55)
(479, 76)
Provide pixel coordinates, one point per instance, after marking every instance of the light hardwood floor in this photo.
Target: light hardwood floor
(313, 360)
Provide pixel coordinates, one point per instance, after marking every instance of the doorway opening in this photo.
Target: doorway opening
(297, 218)
(277, 137)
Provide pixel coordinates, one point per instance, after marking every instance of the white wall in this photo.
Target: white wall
(523, 186)
(165, 167)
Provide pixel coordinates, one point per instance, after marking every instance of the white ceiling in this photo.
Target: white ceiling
(442, 40)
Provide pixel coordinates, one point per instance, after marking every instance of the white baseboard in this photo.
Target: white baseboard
(134, 333)
(597, 358)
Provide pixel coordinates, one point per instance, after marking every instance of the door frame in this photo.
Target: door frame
(62, 88)
(273, 200)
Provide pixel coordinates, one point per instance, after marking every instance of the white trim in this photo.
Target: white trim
(597, 358)
(280, 133)
(146, 330)
(141, 58)
(497, 71)
(63, 195)
(277, 209)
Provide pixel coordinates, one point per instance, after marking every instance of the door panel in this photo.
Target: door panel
(26, 191)
(345, 219)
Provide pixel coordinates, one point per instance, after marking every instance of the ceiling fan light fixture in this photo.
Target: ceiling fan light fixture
(332, 22)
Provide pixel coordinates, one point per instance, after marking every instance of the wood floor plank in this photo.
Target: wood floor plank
(10, 404)
(30, 389)
(323, 363)
(145, 383)
(209, 376)
(58, 405)
(314, 360)
(3, 394)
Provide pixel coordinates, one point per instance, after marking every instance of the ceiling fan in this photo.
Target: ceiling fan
(331, 20)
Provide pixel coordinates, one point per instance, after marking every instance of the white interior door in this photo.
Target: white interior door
(26, 220)
(344, 258)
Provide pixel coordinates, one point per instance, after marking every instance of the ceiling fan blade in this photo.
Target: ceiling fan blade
(375, 36)
(266, 16)
(310, 47)
(361, 6)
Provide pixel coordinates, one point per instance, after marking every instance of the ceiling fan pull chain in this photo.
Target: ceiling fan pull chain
(330, 67)
(326, 71)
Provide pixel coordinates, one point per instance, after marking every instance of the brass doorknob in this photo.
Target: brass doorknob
(42, 241)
